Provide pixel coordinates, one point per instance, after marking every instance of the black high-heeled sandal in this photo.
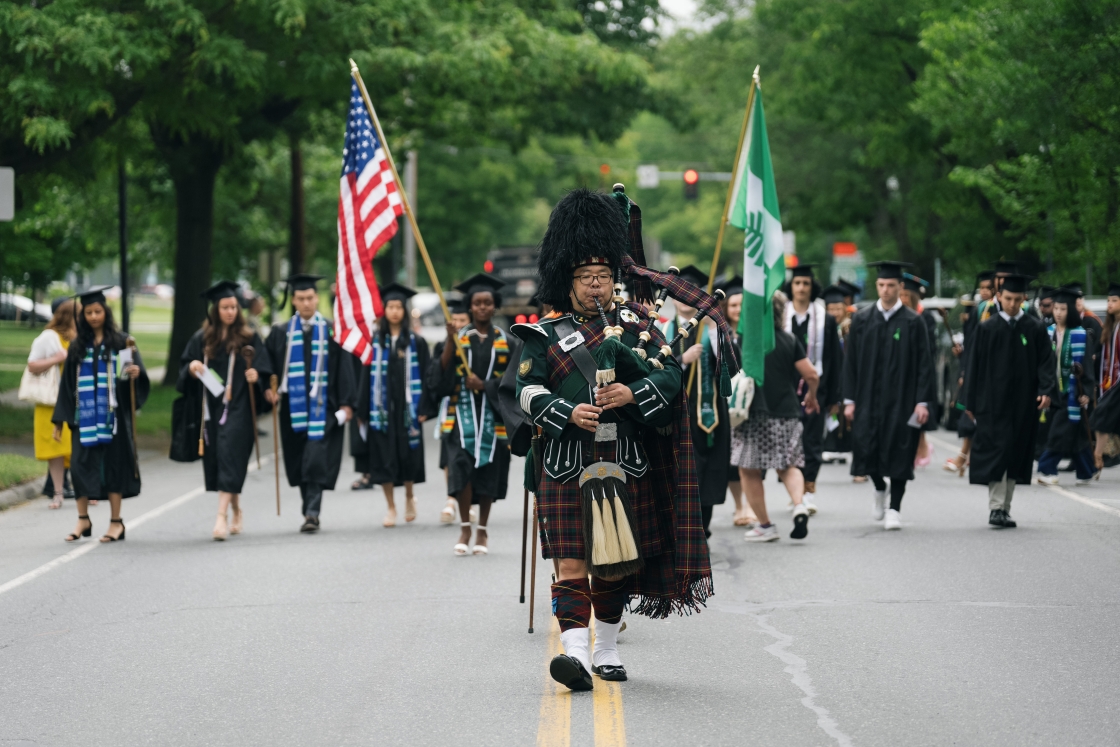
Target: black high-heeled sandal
(72, 537)
(109, 537)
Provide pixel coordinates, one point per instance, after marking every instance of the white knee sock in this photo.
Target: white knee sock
(576, 644)
(606, 643)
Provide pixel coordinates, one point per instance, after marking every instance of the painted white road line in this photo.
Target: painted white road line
(85, 547)
(1065, 493)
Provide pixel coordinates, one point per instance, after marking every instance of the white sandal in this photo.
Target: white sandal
(462, 549)
(447, 515)
(481, 549)
(56, 501)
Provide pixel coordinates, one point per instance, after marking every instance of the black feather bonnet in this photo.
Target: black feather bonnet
(584, 226)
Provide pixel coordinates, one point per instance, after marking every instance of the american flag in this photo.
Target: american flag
(368, 206)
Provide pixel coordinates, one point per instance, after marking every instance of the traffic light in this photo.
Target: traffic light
(691, 184)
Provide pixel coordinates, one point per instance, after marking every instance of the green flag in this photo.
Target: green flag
(755, 210)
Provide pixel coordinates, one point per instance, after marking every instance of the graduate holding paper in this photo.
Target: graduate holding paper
(214, 378)
(317, 396)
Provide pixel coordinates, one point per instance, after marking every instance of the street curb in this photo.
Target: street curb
(21, 493)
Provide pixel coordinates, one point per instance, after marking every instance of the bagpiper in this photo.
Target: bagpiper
(617, 493)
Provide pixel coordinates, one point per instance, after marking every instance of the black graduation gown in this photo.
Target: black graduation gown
(386, 456)
(930, 319)
(96, 471)
(309, 462)
(229, 447)
(712, 459)
(1009, 368)
(492, 480)
(1068, 437)
(828, 390)
(887, 372)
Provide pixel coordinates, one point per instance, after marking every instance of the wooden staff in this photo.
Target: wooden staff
(533, 573)
(524, 542)
(274, 385)
(404, 202)
(132, 391)
(247, 354)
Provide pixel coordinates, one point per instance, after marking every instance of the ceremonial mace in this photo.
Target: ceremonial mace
(524, 542)
(406, 205)
(247, 354)
(274, 385)
(686, 329)
(132, 391)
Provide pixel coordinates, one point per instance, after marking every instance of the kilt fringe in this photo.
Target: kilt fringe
(612, 552)
(693, 594)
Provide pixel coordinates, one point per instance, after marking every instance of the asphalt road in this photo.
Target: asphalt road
(947, 632)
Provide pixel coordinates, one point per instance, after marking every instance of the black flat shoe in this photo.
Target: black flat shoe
(1008, 522)
(610, 672)
(570, 673)
(995, 518)
(362, 484)
(85, 532)
(310, 525)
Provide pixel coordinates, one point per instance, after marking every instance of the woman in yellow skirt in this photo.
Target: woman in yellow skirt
(49, 349)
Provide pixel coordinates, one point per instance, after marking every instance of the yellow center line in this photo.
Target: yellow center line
(555, 726)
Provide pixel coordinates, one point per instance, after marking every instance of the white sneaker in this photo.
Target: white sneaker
(880, 505)
(893, 520)
(474, 514)
(762, 534)
(1086, 481)
(809, 505)
(790, 506)
(1047, 479)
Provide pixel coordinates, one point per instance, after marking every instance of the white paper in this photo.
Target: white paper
(913, 421)
(363, 429)
(210, 381)
(832, 423)
(125, 357)
(340, 416)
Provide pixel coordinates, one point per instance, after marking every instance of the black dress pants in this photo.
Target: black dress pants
(312, 494)
(812, 442)
(898, 489)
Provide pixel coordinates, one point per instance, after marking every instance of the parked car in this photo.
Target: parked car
(20, 308)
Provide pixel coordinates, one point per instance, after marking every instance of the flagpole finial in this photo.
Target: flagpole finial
(354, 67)
(756, 76)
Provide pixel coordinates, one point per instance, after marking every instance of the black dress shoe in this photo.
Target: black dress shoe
(310, 524)
(1008, 521)
(995, 518)
(610, 672)
(570, 673)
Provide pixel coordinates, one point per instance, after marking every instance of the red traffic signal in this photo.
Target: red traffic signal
(488, 266)
(691, 184)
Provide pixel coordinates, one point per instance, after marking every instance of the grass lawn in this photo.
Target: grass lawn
(15, 469)
(154, 421)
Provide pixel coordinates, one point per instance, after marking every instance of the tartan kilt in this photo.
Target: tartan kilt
(560, 516)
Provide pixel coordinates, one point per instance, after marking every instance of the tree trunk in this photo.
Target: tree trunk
(297, 223)
(194, 168)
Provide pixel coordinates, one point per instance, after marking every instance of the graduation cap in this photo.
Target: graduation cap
(850, 289)
(481, 283)
(913, 283)
(694, 275)
(985, 275)
(1047, 291)
(732, 286)
(1068, 294)
(1113, 288)
(1075, 286)
(221, 289)
(396, 292)
(1006, 267)
(1016, 282)
(804, 270)
(835, 294)
(889, 269)
(96, 294)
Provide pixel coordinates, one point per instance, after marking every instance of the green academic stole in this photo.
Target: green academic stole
(479, 440)
(707, 417)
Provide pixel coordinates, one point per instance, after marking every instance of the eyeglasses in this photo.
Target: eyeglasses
(604, 278)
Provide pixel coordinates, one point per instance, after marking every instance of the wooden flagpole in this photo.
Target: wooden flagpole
(404, 202)
(755, 84)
